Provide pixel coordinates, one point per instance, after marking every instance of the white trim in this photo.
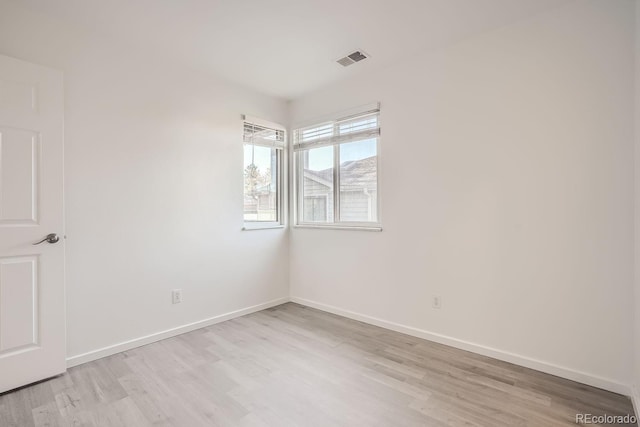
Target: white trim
(563, 372)
(527, 362)
(268, 226)
(148, 339)
(339, 227)
(292, 185)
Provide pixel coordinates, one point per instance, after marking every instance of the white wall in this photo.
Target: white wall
(520, 183)
(153, 187)
(636, 339)
(507, 189)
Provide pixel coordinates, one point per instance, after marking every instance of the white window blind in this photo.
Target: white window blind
(256, 134)
(348, 129)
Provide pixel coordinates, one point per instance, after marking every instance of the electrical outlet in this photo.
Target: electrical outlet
(176, 296)
(436, 302)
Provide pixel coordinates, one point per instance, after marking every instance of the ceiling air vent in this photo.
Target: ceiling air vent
(352, 58)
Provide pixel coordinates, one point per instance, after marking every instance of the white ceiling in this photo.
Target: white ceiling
(289, 47)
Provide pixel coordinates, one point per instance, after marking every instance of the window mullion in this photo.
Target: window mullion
(279, 203)
(299, 167)
(336, 183)
(336, 177)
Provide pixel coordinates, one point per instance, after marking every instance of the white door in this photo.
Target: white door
(32, 312)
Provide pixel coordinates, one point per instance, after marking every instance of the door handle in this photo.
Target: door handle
(51, 238)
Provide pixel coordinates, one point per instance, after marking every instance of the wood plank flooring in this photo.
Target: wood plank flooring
(296, 366)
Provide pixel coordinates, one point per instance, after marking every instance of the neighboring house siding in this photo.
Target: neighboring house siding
(261, 206)
(357, 205)
(318, 200)
(358, 192)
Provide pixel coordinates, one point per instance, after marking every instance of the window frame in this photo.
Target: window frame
(281, 175)
(298, 175)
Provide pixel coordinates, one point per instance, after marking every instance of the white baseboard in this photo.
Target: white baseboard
(549, 368)
(635, 398)
(137, 342)
(571, 374)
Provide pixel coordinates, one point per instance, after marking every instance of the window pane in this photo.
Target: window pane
(260, 183)
(317, 184)
(359, 181)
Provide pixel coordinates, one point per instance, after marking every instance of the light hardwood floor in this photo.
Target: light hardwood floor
(296, 366)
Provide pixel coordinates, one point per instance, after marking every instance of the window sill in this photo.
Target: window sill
(377, 228)
(261, 227)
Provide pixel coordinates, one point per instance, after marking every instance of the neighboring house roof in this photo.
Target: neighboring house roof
(354, 174)
(359, 173)
(323, 177)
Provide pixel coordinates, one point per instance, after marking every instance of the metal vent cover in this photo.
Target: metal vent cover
(352, 58)
(346, 61)
(357, 56)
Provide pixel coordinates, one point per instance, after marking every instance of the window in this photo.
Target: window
(336, 172)
(263, 159)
